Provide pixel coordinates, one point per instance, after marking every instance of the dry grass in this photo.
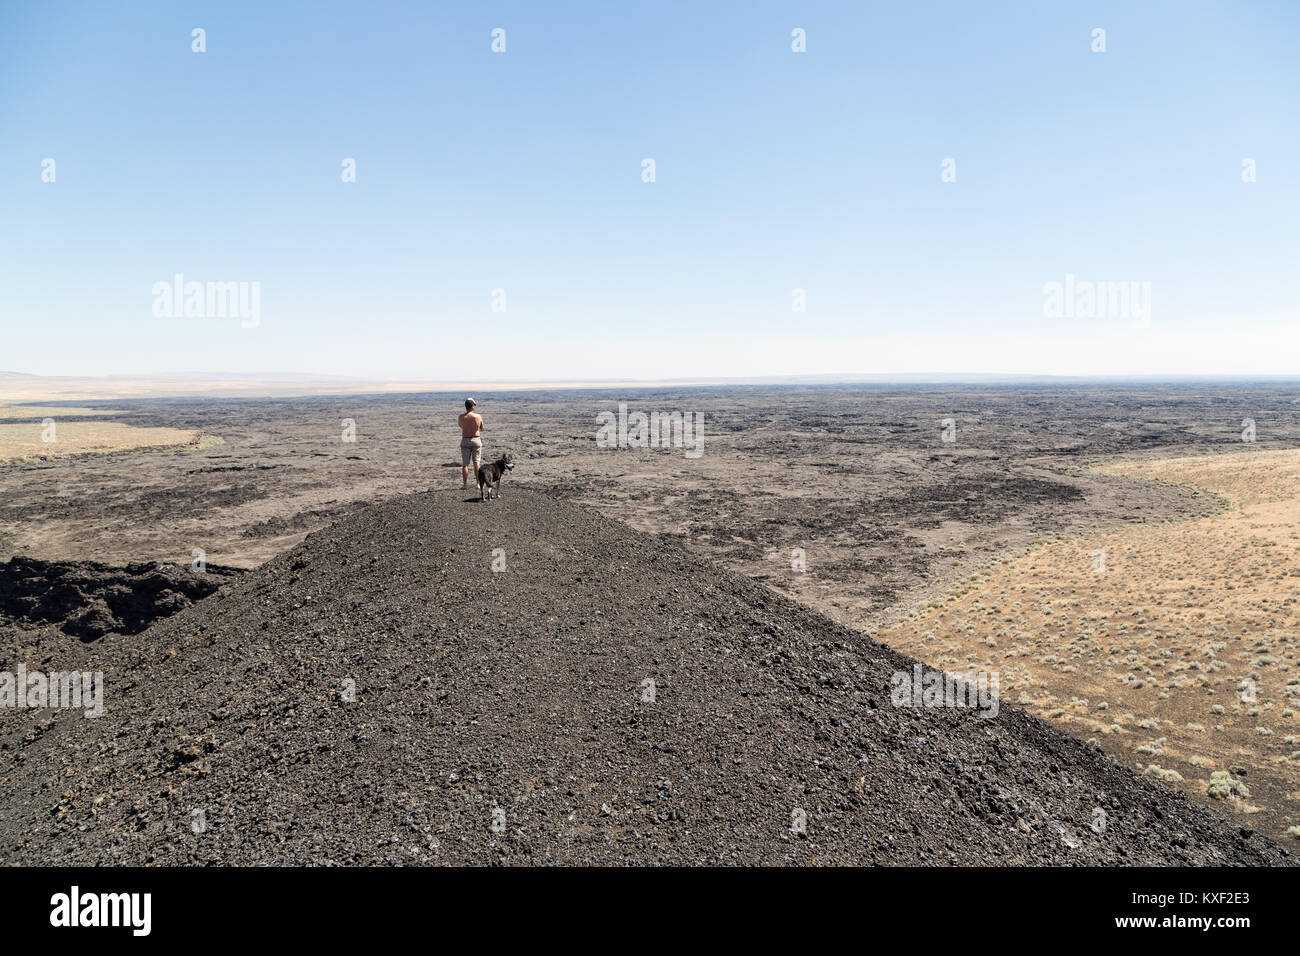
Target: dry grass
(51, 411)
(26, 441)
(1155, 656)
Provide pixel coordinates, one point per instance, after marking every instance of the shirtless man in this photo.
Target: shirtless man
(471, 446)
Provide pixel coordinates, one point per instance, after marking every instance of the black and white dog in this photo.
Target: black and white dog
(489, 477)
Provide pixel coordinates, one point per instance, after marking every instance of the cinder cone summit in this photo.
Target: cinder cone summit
(380, 694)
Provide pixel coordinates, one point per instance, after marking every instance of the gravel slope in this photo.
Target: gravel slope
(498, 717)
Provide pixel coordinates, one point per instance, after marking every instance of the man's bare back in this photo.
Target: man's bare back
(471, 446)
(471, 424)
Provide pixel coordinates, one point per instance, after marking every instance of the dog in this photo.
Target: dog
(489, 477)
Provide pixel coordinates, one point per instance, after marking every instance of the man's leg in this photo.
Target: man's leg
(464, 477)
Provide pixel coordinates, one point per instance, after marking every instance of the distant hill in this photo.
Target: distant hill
(22, 387)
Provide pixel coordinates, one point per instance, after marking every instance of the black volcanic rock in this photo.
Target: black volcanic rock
(88, 600)
(380, 695)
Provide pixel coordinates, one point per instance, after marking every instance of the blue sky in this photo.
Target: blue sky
(775, 171)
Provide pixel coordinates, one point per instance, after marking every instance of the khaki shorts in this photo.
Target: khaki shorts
(471, 452)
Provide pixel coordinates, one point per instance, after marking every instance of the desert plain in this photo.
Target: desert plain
(1125, 557)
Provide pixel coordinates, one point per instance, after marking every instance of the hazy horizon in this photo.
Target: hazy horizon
(20, 387)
